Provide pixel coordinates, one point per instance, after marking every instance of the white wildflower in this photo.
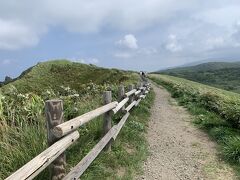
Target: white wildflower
(21, 95)
(73, 95)
(48, 92)
(67, 88)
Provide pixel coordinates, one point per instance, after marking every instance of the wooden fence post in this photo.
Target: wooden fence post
(138, 85)
(121, 93)
(141, 85)
(107, 117)
(54, 117)
(138, 88)
(131, 98)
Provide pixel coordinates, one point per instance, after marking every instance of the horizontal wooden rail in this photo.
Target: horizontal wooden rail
(75, 123)
(79, 169)
(40, 162)
(120, 105)
(130, 106)
(120, 125)
(138, 101)
(141, 96)
(137, 92)
(49, 156)
(130, 93)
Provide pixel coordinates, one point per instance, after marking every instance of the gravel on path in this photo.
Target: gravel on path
(178, 150)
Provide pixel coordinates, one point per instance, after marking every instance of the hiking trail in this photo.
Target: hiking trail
(178, 150)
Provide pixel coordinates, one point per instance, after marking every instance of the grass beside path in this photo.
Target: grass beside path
(197, 99)
(128, 151)
(18, 145)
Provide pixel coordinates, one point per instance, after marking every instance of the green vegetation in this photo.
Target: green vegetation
(218, 74)
(22, 121)
(129, 150)
(216, 111)
(54, 74)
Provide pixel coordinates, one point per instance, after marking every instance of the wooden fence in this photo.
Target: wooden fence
(61, 134)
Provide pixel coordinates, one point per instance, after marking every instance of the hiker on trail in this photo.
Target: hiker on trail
(143, 76)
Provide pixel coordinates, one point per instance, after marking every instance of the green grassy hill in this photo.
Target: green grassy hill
(23, 125)
(54, 74)
(218, 74)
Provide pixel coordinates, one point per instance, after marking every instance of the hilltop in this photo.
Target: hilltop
(57, 73)
(223, 75)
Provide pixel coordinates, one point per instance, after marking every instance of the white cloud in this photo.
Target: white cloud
(22, 24)
(128, 41)
(195, 26)
(224, 16)
(14, 35)
(172, 44)
(215, 42)
(236, 33)
(131, 48)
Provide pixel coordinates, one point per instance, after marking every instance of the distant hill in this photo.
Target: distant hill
(6, 81)
(54, 74)
(203, 61)
(225, 75)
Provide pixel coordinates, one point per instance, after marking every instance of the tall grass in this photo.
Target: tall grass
(20, 145)
(1, 109)
(23, 132)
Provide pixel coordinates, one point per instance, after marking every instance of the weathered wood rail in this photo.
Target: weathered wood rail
(61, 134)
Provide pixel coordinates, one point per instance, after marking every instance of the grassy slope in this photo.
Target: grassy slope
(204, 103)
(219, 74)
(23, 134)
(205, 67)
(53, 74)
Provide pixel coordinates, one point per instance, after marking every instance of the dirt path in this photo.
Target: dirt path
(178, 150)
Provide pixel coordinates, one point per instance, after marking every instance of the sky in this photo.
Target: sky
(127, 34)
